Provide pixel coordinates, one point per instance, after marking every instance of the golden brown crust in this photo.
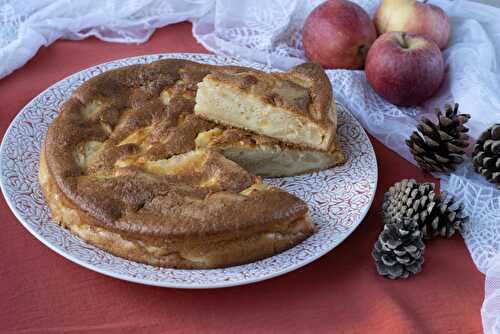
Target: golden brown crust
(200, 251)
(312, 76)
(113, 155)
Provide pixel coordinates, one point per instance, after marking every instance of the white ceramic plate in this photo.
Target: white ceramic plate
(338, 198)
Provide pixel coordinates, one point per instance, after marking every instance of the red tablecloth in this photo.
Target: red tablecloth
(41, 292)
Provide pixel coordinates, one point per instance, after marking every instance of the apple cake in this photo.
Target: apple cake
(128, 167)
(295, 107)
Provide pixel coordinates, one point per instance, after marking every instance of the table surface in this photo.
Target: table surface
(41, 292)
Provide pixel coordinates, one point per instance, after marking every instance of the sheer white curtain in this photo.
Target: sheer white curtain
(270, 32)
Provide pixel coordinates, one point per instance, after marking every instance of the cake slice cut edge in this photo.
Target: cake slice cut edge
(265, 156)
(296, 107)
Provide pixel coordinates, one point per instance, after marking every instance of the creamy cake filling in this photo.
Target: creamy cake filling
(225, 104)
(269, 160)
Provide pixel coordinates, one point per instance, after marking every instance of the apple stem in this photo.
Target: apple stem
(404, 41)
(363, 50)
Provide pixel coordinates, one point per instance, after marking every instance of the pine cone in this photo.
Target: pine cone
(399, 249)
(440, 147)
(486, 155)
(435, 213)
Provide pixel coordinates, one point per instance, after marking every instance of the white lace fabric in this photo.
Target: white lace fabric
(270, 32)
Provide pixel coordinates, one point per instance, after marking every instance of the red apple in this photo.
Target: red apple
(404, 68)
(338, 34)
(412, 16)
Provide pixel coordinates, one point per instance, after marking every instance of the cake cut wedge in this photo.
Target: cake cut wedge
(296, 107)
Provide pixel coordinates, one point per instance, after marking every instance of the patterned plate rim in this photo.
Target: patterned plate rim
(130, 278)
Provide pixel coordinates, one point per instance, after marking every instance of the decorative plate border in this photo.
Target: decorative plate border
(339, 198)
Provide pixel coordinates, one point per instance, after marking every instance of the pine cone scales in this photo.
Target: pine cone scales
(440, 147)
(399, 250)
(436, 214)
(486, 155)
(451, 218)
(409, 198)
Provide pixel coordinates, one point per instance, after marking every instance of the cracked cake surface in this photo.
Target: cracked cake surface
(128, 166)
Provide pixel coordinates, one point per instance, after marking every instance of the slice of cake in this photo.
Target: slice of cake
(264, 156)
(295, 107)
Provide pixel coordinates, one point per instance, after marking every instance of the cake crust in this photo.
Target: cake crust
(187, 252)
